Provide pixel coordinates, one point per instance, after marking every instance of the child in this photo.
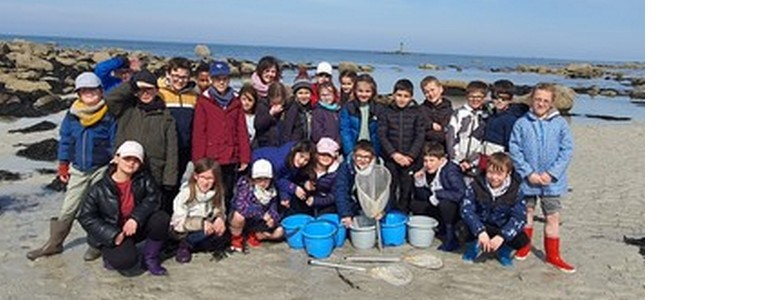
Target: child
(436, 109)
(255, 208)
(541, 147)
(143, 117)
(362, 162)
(464, 137)
(87, 136)
(291, 164)
(269, 115)
(116, 70)
(347, 82)
(219, 128)
(494, 211)
(326, 122)
(439, 188)
(249, 99)
(202, 78)
(324, 74)
(402, 134)
(267, 72)
(506, 113)
(123, 209)
(199, 212)
(321, 189)
(358, 119)
(178, 93)
(298, 119)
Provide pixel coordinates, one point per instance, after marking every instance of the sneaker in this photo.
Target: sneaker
(236, 243)
(252, 241)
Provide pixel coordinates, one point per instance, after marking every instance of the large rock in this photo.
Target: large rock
(4, 49)
(637, 93)
(20, 85)
(101, 56)
(348, 66)
(9, 176)
(51, 103)
(564, 99)
(66, 61)
(29, 62)
(41, 126)
(247, 68)
(584, 71)
(430, 67)
(46, 150)
(202, 51)
(454, 88)
(367, 68)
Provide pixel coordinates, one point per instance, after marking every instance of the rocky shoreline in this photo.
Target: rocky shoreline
(37, 79)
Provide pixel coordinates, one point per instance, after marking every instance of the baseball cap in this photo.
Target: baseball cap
(131, 148)
(324, 67)
(219, 68)
(328, 146)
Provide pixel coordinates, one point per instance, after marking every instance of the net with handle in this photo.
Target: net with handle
(373, 190)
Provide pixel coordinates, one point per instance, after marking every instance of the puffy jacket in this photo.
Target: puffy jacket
(452, 183)
(219, 133)
(269, 128)
(351, 122)
(150, 125)
(104, 68)
(325, 187)
(326, 123)
(436, 113)
(464, 135)
(402, 130)
(542, 145)
(248, 206)
(100, 211)
(181, 105)
(188, 216)
(87, 148)
(500, 123)
(285, 177)
(298, 121)
(506, 212)
(346, 201)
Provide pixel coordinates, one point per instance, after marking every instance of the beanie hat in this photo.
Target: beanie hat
(145, 79)
(301, 84)
(87, 80)
(262, 168)
(219, 68)
(328, 146)
(324, 67)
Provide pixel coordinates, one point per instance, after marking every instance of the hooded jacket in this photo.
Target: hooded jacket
(326, 123)
(220, 133)
(402, 130)
(507, 212)
(100, 212)
(150, 125)
(542, 145)
(451, 182)
(181, 105)
(464, 135)
(351, 122)
(188, 216)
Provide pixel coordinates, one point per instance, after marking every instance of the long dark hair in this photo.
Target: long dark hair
(300, 147)
(203, 165)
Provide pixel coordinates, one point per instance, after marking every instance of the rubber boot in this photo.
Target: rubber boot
(252, 241)
(505, 256)
(450, 242)
(59, 230)
(184, 252)
(523, 252)
(108, 265)
(236, 243)
(471, 251)
(91, 254)
(551, 246)
(151, 257)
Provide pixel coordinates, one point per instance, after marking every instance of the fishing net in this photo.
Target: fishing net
(373, 190)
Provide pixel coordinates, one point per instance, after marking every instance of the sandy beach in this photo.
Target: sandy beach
(606, 203)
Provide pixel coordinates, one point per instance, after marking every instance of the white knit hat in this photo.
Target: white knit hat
(324, 67)
(262, 168)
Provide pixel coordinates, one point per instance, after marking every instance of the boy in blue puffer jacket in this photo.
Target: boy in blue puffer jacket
(541, 147)
(87, 140)
(494, 211)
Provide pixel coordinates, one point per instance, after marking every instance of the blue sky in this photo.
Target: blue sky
(578, 29)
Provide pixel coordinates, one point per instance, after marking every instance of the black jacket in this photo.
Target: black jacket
(269, 129)
(297, 122)
(441, 114)
(402, 130)
(99, 214)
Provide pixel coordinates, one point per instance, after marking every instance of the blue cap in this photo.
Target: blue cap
(219, 68)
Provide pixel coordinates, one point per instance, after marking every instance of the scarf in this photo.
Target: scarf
(366, 170)
(498, 191)
(259, 85)
(264, 195)
(222, 99)
(87, 114)
(331, 107)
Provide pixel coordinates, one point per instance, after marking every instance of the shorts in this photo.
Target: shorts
(549, 204)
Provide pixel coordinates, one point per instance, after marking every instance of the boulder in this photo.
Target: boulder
(454, 88)
(637, 93)
(46, 150)
(20, 85)
(247, 68)
(101, 56)
(564, 99)
(455, 67)
(584, 71)
(29, 62)
(51, 104)
(202, 51)
(608, 93)
(367, 68)
(30, 75)
(430, 67)
(66, 61)
(348, 66)
(4, 49)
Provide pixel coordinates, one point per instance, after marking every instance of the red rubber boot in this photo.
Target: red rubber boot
(523, 252)
(551, 246)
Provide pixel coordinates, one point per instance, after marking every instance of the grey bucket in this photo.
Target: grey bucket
(421, 231)
(363, 233)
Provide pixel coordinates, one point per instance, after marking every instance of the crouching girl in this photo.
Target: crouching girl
(199, 211)
(255, 208)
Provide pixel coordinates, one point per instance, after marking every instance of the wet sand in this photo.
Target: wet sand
(606, 202)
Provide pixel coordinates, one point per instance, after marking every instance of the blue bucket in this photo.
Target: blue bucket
(319, 238)
(393, 229)
(293, 225)
(340, 237)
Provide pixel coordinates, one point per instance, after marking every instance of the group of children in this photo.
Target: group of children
(259, 155)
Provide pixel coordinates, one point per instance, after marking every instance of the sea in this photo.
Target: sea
(390, 66)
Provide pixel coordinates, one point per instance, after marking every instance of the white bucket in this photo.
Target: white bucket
(363, 234)
(421, 231)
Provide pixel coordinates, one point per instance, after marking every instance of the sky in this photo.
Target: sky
(579, 29)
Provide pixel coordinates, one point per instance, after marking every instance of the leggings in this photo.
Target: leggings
(124, 256)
